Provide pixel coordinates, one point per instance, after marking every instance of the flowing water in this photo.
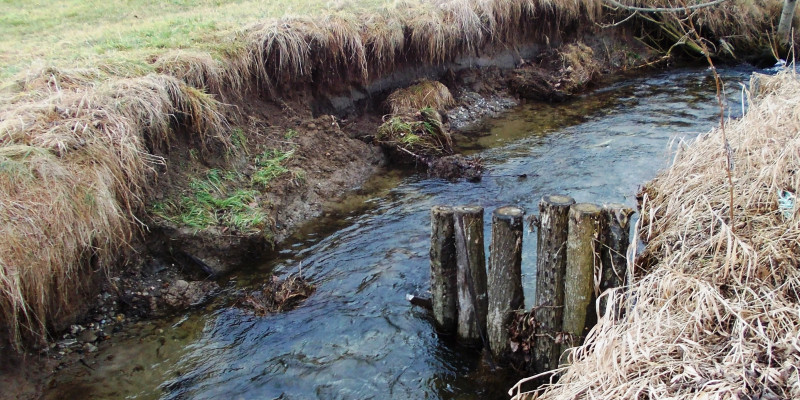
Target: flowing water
(357, 337)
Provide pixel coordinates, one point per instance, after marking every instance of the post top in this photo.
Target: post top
(558, 200)
(586, 208)
(441, 209)
(509, 211)
(615, 206)
(468, 209)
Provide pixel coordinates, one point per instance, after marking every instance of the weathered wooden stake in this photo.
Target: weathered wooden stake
(471, 276)
(550, 269)
(583, 256)
(444, 294)
(617, 239)
(505, 276)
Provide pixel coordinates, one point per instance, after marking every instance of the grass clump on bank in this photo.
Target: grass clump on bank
(714, 311)
(418, 136)
(211, 203)
(425, 94)
(270, 166)
(76, 167)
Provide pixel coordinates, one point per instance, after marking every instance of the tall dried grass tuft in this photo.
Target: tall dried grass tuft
(424, 94)
(734, 27)
(74, 169)
(201, 71)
(347, 48)
(715, 312)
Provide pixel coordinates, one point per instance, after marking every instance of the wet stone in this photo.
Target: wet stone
(87, 336)
(89, 348)
(183, 294)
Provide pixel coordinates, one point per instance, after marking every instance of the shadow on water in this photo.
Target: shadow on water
(357, 337)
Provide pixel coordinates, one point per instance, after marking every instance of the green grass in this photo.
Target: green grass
(270, 166)
(212, 202)
(209, 203)
(120, 36)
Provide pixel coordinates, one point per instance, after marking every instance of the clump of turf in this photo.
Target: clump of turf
(75, 166)
(425, 94)
(415, 137)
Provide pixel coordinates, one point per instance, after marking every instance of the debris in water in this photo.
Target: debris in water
(278, 295)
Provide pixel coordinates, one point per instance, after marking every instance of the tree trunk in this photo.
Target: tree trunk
(550, 269)
(614, 252)
(471, 276)
(505, 277)
(785, 24)
(443, 269)
(583, 258)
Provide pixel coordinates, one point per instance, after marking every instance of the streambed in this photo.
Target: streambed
(357, 337)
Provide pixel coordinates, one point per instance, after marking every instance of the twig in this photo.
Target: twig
(663, 9)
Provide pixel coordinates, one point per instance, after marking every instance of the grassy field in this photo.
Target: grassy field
(120, 36)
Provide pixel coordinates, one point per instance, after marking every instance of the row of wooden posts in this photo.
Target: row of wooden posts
(581, 252)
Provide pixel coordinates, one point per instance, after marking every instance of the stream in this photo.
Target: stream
(357, 337)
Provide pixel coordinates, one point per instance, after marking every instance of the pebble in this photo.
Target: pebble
(89, 348)
(180, 284)
(87, 336)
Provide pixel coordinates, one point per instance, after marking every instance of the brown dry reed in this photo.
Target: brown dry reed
(714, 310)
(75, 163)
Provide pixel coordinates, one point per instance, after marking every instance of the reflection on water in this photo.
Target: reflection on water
(357, 337)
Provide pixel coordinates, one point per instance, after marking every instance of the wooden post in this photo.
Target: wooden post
(583, 256)
(443, 269)
(505, 276)
(550, 269)
(471, 275)
(785, 23)
(614, 252)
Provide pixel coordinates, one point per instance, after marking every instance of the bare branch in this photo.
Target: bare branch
(617, 4)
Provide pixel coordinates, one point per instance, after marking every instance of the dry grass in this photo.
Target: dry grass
(578, 65)
(74, 168)
(717, 314)
(741, 27)
(424, 94)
